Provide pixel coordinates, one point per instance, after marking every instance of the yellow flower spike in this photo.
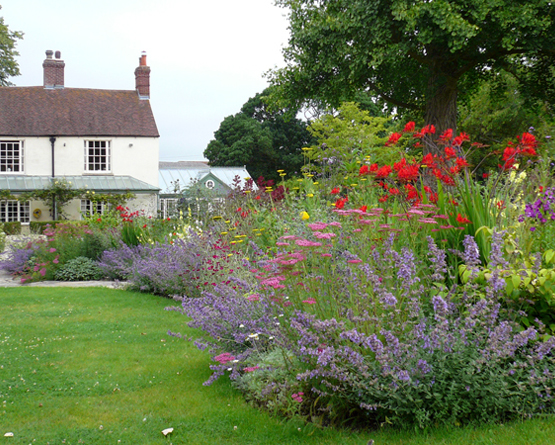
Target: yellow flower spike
(299, 180)
(354, 185)
(306, 148)
(309, 175)
(229, 254)
(358, 162)
(305, 216)
(282, 174)
(215, 218)
(246, 179)
(239, 241)
(280, 171)
(262, 229)
(233, 242)
(295, 188)
(363, 179)
(309, 195)
(223, 233)
(247, 191)
(316, 183)
(227, 222)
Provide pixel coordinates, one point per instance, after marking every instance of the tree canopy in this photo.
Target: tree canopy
(8, 64)
(264, 141)
(414, 55)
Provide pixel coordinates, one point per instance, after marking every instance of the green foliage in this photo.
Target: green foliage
(347, 136)
(8, 63)
(2, 238)
(262, 140)
(12, 228)
(79, 269)
(420, 56)
(59, 191)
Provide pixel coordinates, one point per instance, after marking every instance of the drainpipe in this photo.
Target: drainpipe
(52, 141)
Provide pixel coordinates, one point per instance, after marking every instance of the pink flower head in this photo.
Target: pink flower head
(253, 297)
(322, 235)
(356, 261)
(52, 250)
(317, 226)
(43, 271)
(307, 243)
(251, 368)
(310, 301)
(224, 358)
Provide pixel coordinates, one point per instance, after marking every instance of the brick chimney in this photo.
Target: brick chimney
(142, 78)
(53, 70)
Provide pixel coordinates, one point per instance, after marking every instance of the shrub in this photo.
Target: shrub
(2, 238)
(79, 269)
(12, 228)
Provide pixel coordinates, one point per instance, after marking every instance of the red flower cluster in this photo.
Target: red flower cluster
(340, 203)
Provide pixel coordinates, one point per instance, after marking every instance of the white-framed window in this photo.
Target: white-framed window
(15, 211)
(11, 156)
(168, 207)
(89, 208)
(98, 156)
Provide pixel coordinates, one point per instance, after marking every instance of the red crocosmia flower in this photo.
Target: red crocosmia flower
(428, 160)
(409, 127)
(447, 180)
(399, 165)
(529, 152)
(446, 135)
(462, 220)
(239, 209)
(363, 208)
(427, 189)
(340, 203)
(485, 175)
(460, 139)
(393, 139)
(455, 203)
(428, 129)
(454, 170)
(500, 205)
(433, 197)
(450, 153)
(461, 162)
(412, 193)
(335, 190)
(363, 170)
(541, 188)
(394, 191)
(408, 173)
(383, 198)
(509, 153)
(383, 172)
(374, 167)
(528, 140)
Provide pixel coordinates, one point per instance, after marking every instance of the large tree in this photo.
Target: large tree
(413, 54)
(264, 141)
(8, 64)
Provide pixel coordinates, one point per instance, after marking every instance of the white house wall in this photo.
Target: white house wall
(130, 156)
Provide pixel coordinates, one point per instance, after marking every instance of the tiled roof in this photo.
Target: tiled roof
(20, 183)
(38, 111)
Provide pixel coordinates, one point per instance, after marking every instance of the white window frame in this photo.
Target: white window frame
(12, 210)
(89, 208)
(168, 207)
(97, 161)
(9, 161)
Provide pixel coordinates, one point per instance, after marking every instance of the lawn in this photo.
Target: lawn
(96, 366)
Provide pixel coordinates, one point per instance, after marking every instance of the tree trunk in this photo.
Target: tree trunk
(441, 106)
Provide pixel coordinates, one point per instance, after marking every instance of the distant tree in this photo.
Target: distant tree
(264, 141)
(8, 64)
(414, 55)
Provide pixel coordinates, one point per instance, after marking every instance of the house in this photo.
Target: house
(210, 182)
(103, 140)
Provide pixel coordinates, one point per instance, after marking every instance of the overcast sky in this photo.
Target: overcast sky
(207, 57)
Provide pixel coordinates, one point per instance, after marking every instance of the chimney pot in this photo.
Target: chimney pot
(142, 78)
(58, 54)
(53, 70)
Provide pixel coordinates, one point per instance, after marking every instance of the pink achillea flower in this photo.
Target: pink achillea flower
(289, 237)
(251, 368)
(298, 397)
(335, 224)
(317, 226)
(447, 227)
(321, 235)
(310, 301)
(326, 255)
(224, 358)
(357, 230)
(385, 226)
(440, 216)
(52, 250)
(427, 221)
(282, 244)
(274, 282)
(253, 297)
(416, 212)
(357, 261)
(307, 243)
(43, 271)
(367, 221)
